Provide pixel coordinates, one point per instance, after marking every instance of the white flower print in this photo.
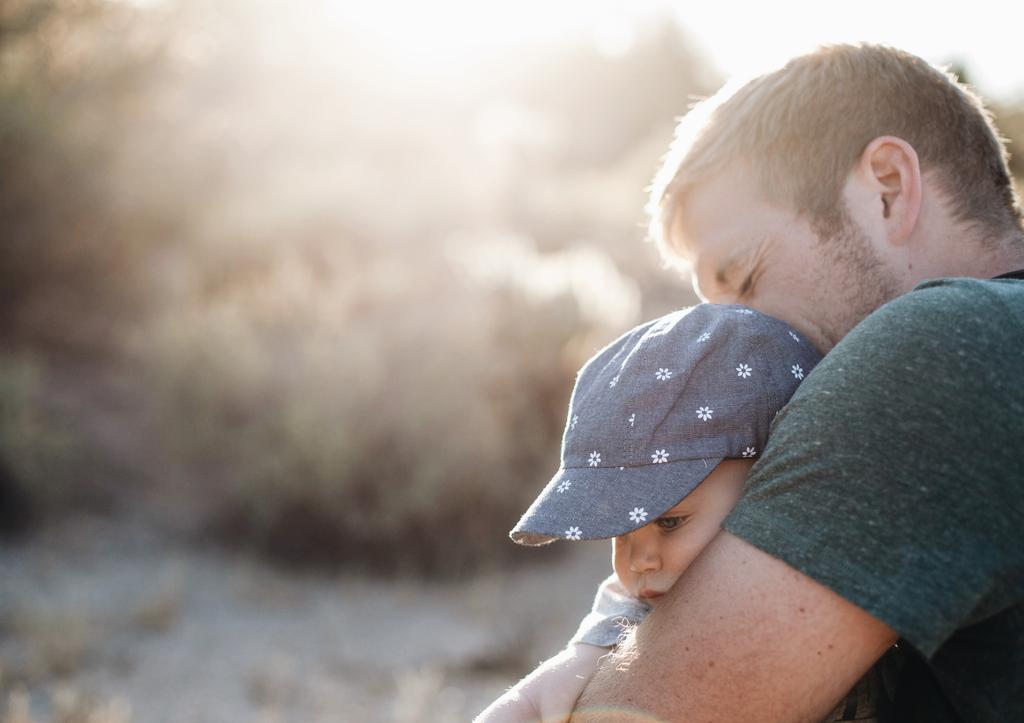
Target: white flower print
(795, 337)
(564, 485)
(797, 371)
(749, 452)
(595, 459)
(575, 419)
(703, 337)
(705, 413)
(573, 533)
(745, 311)
(663, 374)
(614, 381)
(743, 370)
(638, 515)
(659, 456)
(632, 419)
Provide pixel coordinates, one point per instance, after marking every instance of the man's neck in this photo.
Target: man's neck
(985, 260)
(1009, 257)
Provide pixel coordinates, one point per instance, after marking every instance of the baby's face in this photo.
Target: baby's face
(648, 560)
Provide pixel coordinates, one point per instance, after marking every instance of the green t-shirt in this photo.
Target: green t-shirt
(895, 478)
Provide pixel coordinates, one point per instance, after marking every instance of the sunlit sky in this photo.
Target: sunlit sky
(738, 38)
(986, 35)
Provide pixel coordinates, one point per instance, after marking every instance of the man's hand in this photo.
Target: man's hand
(548, 694)
(740, 637)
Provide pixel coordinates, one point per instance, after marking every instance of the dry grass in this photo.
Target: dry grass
(51, 641)
(55, 643)
(425, 689)
(160, 610)
(66, 705)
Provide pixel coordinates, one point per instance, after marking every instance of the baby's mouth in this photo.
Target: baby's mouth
(649, 595)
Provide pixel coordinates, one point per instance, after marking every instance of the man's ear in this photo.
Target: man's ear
(890, 169)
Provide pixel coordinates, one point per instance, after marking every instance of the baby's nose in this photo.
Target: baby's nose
(644, 557)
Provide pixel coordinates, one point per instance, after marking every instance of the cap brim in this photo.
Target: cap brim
(600, 502)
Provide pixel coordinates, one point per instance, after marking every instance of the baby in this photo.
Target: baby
(663, 426)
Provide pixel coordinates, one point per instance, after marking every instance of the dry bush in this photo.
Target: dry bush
(394, 417)
(269, 209)
(43, 465)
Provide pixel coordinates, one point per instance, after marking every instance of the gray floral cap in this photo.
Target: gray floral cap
(654, 412)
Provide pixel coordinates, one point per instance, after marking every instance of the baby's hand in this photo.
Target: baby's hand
(549, 693)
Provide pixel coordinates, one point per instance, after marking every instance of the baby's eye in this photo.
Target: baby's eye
(670, 523)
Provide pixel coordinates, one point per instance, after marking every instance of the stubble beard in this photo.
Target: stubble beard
(858, 278)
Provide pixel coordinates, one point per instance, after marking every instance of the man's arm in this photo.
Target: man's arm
(741, 636)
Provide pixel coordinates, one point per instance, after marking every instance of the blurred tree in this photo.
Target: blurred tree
(610, 119)
(69, 75)
(610, 103)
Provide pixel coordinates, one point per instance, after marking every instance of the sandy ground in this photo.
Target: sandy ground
(115, 622)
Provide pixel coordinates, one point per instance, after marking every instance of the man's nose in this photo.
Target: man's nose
(644, 556)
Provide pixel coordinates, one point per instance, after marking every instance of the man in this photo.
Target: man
(889, 503)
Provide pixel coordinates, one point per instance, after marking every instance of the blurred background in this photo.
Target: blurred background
(292, 296)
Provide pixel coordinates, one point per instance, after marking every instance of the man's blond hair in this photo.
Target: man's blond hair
(803, 127)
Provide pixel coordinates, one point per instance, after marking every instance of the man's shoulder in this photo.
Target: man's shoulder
(950, 318)
(963, 298)
(964, 295)
(941, 350)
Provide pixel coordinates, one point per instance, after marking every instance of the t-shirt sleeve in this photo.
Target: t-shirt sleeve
(894, 475)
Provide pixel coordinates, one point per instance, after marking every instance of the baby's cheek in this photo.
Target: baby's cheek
(620, 561)
(675, 574)
(682, 556)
